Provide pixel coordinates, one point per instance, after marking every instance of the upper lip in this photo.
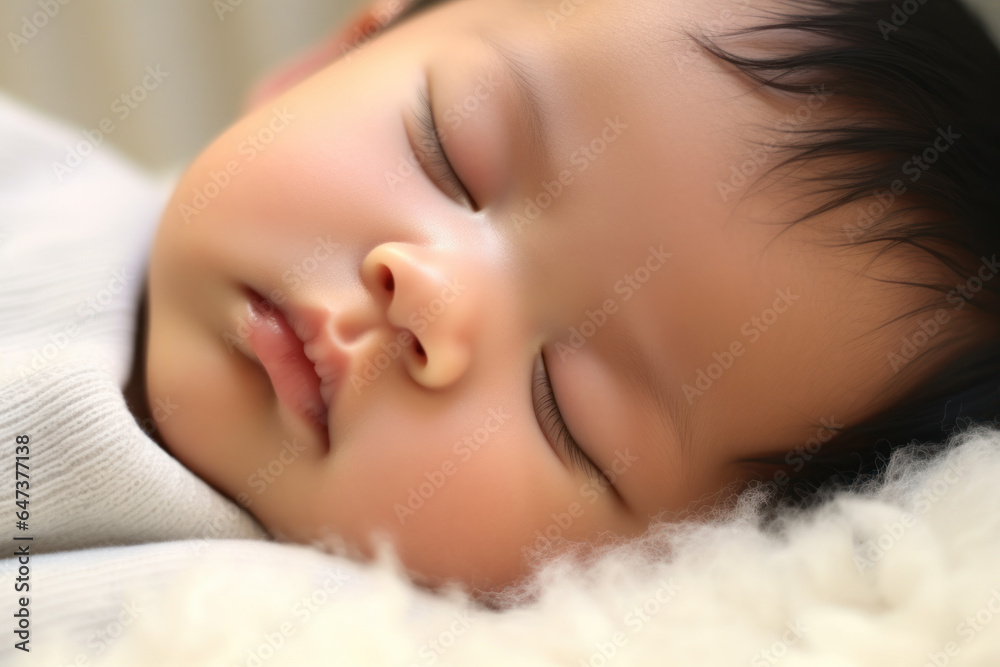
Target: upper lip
(311, 325)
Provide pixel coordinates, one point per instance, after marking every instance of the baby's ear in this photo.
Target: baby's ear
(364, 22)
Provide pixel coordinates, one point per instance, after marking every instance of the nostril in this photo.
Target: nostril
(419, 349)
(388, 282)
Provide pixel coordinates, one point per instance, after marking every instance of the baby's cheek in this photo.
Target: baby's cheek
(461, 505)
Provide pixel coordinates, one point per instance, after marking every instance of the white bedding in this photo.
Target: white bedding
(906, 574)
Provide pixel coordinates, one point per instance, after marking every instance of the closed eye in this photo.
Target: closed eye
(432, 154)
(554, 427)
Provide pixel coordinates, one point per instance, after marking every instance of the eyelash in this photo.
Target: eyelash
(430, 141)
(553, 424)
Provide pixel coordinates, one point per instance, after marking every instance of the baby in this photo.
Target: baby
(511, 273)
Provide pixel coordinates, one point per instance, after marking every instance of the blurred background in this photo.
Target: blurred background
(90, 52)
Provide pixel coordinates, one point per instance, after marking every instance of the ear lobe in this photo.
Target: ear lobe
(362, 23)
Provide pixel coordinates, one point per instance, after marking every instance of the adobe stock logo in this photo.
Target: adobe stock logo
(627, 286)
(963, 292)
(915, 167)
(901, 13)
(752, 329)
(31, 25)
(464, 449)
(254, 144)
(121, 108)
(417, 323)
(581, 158)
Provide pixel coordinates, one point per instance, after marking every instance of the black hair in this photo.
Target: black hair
(906, 74)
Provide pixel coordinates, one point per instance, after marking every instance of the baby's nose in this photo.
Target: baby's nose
(420, 291)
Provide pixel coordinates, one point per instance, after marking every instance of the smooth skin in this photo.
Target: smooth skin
(634, 278)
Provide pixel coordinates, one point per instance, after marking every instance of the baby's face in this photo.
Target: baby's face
(396, 388)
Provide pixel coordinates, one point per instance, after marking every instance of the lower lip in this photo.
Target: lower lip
(281, 353)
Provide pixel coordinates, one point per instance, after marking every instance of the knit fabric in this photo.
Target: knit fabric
(75, 236)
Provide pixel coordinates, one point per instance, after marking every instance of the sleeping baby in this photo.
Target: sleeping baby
(484, 278)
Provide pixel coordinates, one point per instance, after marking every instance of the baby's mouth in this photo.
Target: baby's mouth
(281, 353)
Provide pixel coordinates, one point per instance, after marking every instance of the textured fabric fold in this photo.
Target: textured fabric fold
(73, 252)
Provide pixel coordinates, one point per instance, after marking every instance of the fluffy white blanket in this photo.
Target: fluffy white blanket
(903, 573)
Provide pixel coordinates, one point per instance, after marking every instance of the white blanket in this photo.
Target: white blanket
(904, 574)
(73, 251)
